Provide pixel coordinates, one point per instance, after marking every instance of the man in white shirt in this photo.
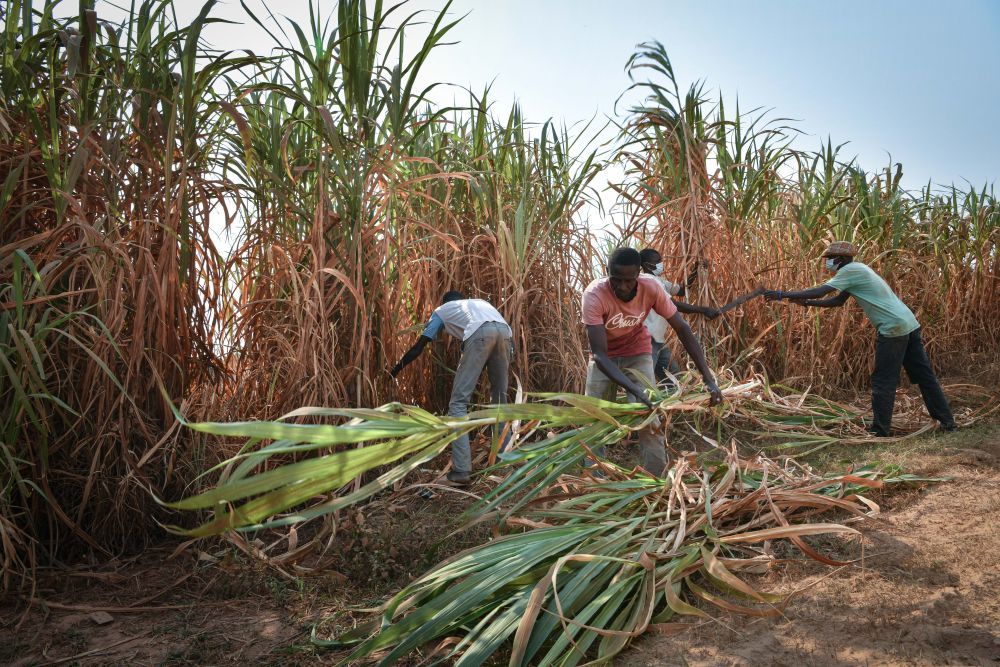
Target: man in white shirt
(652, 264)
(486, 341)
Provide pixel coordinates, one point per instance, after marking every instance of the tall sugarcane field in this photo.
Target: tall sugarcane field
(300, 364)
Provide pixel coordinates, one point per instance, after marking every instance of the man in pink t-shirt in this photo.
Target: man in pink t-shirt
(614, 310)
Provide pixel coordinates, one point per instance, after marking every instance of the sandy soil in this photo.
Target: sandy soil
(925, 594)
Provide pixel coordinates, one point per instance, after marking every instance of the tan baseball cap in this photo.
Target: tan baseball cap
(840, 249)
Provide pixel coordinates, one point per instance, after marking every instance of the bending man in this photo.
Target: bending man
(899, 344)
(614, 309)
(486, 341)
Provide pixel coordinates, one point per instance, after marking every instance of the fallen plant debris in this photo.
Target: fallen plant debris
(607, 557)
(390, 433)
(258, 484)
(806, 422)
(595, 554)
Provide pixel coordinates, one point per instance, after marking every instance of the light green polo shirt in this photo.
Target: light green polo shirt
(890, 316)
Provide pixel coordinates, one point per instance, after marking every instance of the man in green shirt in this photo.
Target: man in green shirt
(899, 344)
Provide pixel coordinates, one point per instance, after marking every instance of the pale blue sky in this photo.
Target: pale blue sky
(915, 79)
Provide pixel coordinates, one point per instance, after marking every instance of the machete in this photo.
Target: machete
(740, 300)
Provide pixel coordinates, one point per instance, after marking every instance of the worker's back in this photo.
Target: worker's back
(462, 317)
(887, 312)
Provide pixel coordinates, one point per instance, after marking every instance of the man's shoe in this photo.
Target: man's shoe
(950, 428)
(877, 434)
(459, 478)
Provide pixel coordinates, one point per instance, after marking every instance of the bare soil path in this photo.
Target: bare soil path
(928, 592)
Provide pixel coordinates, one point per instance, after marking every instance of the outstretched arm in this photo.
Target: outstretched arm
(811, 293)
(691, 277)
(410, 355)
(693, 347)
(832, 302)
(598, 337)
(691, 309)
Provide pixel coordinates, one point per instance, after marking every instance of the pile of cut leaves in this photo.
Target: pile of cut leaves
(586, 555)
(600, 558)
(308, 467)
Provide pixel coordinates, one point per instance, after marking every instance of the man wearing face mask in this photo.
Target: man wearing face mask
(899, 344)
(652, 264)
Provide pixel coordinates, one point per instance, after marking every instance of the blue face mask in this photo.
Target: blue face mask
(658, 269)
(831, 265)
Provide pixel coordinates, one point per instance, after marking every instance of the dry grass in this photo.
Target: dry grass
(727, 196)
(355, 204)
(108, 274)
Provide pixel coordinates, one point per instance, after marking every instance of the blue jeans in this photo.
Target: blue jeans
(489, 346)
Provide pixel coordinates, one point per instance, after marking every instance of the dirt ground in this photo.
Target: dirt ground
(926, 592)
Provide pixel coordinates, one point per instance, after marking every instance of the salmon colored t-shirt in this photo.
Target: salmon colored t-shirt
(624, 321)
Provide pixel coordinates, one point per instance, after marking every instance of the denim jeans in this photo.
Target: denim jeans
(662, 364)
(489, 346)
(654, 454)
(892, 354)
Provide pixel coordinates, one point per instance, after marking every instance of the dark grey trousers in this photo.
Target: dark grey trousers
(662, 364)
(891, 355)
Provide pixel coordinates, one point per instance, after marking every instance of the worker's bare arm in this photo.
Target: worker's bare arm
(597, 335)
(832, 302)
(693, 347)
(692, 309)
(811, 293)
(410, 355)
